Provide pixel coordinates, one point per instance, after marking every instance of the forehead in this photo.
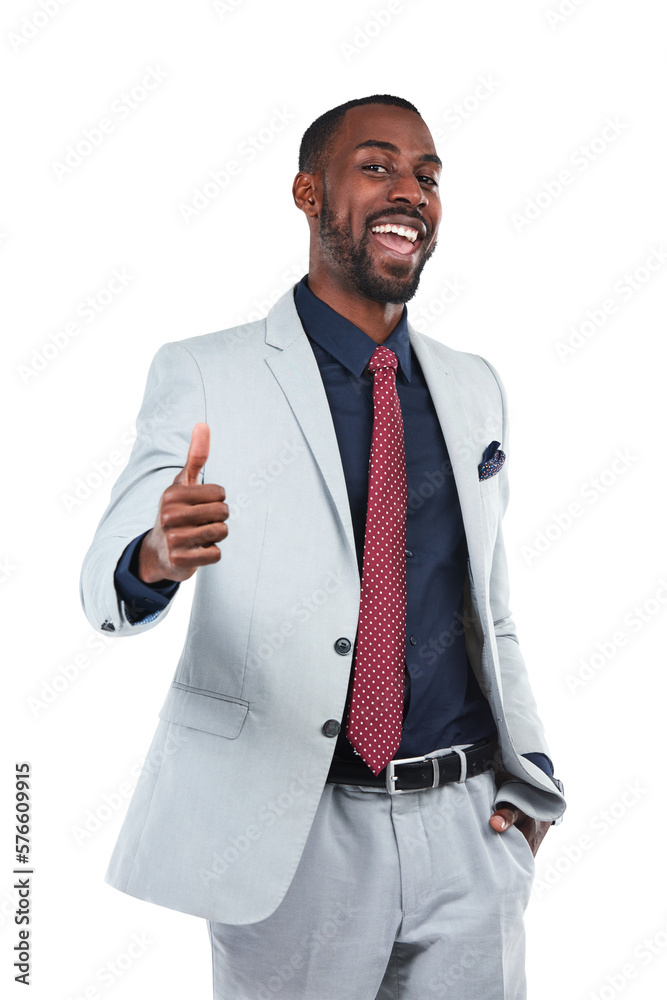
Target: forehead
(385, 123)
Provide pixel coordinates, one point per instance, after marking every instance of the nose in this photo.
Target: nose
(406, 188)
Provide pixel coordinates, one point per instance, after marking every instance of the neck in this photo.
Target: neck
(376, 319)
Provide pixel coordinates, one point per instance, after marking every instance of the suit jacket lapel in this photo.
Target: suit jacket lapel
(462, 447)
(296, 370)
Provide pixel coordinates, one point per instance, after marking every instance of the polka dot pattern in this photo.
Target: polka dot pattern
(376, 706)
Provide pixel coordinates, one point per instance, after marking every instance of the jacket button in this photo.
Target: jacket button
(342, 646)
(331, 727)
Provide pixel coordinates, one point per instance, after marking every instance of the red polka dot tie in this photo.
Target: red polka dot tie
(376, 707)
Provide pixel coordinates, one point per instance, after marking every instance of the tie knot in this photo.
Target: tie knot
(382, 357)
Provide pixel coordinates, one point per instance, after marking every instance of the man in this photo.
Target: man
(350, 612)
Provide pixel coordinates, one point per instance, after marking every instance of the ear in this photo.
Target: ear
(306, 193)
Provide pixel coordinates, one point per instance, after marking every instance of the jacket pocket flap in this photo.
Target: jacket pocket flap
(210, 712)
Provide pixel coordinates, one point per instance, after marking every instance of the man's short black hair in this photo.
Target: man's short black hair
(319, 137)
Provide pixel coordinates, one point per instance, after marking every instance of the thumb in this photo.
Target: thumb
(504, 817)
(197, 456)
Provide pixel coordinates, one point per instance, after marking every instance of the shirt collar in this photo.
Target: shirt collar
(346, 342)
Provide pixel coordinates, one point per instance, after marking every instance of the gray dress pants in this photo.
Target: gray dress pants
(396, 897)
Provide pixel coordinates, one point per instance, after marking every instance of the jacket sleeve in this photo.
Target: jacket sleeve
(141, 599)
(173, 403)
(519, 703)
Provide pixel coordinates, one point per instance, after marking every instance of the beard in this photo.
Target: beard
(356, 262)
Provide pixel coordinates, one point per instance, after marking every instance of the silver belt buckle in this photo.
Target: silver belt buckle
(391, 778)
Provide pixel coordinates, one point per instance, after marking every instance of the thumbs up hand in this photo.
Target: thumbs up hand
(189, 522)
(200, 445)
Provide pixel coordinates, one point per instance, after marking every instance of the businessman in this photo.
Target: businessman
(349, 778)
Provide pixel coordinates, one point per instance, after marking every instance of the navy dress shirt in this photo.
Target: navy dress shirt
(443, 703)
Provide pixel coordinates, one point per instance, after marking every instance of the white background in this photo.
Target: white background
(552, 82)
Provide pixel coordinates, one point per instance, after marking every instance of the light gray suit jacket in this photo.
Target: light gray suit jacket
(231, 782)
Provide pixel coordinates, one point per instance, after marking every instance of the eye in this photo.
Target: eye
(376, 167)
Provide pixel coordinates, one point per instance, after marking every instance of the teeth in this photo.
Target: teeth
(410, 234)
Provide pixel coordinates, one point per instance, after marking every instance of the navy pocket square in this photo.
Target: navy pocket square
(492, 461)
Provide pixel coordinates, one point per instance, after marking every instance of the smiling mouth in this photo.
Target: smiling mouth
(400, 241)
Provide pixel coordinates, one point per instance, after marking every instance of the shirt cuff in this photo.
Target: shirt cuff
(143, 601)
(542, 761)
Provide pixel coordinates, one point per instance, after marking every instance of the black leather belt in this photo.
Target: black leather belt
(413, 773)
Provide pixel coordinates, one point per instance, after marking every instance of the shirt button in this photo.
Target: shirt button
(342, 646)
(408, 554)
(331, 727)
(413, 640)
